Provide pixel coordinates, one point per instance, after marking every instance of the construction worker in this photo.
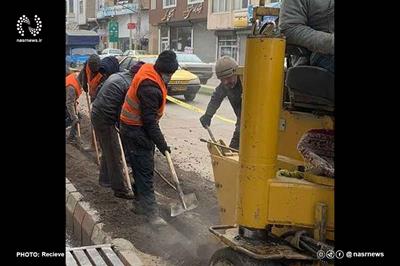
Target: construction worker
(310, 24)
(89, 76)
(225, 69)
(143, 107)
(105, 114)
(73, 91)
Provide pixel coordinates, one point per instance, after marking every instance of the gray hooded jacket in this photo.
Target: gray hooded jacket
(309, 23)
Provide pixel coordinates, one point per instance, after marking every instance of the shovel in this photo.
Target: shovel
(126, 172)
(78, 126)
(224, 149)
(93, 133)
(188, 202)
(211, 134)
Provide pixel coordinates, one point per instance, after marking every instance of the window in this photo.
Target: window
(164, 38)
(80, 6)
(228, 45)
(194, 1)
(169, 3)
(181, 37)
(240, 4)
(115, 51)
(153, 4)
(83, 51)
(221, 5)
(184, 58)
(71, 6)
(125, 64)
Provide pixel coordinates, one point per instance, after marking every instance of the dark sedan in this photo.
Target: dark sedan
(193, 63)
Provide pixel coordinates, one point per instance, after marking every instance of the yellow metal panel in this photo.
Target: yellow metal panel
(292, 202)
(292, 127)
(263, 79)
(226, 176)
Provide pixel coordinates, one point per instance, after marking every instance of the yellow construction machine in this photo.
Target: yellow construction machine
(275, 209)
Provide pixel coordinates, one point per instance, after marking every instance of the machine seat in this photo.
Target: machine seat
(311, 87)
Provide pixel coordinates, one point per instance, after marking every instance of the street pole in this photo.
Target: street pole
(130, 33)
(139, 22)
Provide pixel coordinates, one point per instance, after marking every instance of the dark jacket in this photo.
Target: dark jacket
(309, 23)
(111, 96)
(108, 66)
(82, 78)
(70, 102)
(234, 96)
(150, 97)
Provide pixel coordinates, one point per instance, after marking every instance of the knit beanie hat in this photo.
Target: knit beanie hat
(225, 67)
(166, 62)
(94, 63)
(109, 65)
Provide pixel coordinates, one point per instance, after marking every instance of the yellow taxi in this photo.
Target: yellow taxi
(182, 81)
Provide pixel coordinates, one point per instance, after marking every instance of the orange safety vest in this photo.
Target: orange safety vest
(93, 82)
(130, 113)
(71, 80)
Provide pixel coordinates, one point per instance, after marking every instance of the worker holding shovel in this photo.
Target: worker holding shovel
(231, 87)
(73, 91)
(105, 116)
(143, 107)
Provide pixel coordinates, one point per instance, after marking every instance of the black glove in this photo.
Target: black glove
(166, 148)
(205, 120)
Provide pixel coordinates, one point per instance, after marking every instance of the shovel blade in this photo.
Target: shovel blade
(190, 201)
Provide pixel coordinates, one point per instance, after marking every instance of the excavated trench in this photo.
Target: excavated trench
(184, 241)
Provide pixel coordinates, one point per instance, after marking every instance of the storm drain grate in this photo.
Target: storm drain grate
(99, 255)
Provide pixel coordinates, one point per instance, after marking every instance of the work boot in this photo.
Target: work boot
(104, 184)
(156, 220)
(124, 194)
(138, 207)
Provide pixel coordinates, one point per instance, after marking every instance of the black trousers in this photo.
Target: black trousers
(235, 141)
(140, 150)
(68, 122)
(111, 168)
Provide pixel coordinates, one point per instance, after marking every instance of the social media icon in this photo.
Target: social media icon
(349, 254)
(339, 254)
(320, 254)
(330, 254)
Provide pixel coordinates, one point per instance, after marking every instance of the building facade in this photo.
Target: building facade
(132, 23)
(229, 20)
(80, 14)
(181, 25)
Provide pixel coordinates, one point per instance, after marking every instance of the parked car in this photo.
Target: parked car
(110, 52)
(131, 53)
(182, 81)
(193, 63)
(79, 56)
(135, 52)
(79, 45)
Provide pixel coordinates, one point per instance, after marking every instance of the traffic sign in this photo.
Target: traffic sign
(131, 26)
(113, 31)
